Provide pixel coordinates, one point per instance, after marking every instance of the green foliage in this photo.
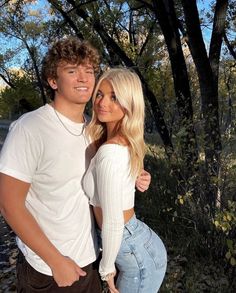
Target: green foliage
(24, 97)
(231, 253)
(199, 249)
(201, 255)
(225, 221)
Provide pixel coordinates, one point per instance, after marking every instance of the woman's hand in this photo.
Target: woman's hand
(143, 181)
(111, 285)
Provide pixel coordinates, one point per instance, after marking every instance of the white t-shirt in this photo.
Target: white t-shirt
(40, 151)
(109, 185)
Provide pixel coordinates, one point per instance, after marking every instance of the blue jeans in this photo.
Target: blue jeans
(141, 260)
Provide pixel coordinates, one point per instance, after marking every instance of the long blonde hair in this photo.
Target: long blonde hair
(128, 90)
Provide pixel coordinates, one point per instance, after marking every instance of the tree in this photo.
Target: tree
(90, 15)
(136, 34)
(5, 73)
(19, 23)
(164, 13)
(208, 71)
(20, 99)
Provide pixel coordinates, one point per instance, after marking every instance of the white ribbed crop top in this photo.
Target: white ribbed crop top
(109, 185)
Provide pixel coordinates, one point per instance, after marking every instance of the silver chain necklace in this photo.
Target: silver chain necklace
(72, 133)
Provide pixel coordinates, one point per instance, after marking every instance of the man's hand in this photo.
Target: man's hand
(13, 194)
(143, 181)
(67, 272)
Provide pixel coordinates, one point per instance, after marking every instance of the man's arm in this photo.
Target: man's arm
(13, 194)
(143, 181)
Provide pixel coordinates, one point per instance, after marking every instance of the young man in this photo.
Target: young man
(42, 163)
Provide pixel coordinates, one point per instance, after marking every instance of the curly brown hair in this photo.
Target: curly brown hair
(71, 50)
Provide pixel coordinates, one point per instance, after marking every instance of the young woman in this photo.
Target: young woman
(116, 130)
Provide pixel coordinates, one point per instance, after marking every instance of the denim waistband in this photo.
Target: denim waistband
(132, 224)
(129, 227)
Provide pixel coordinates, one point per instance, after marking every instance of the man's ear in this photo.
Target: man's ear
(52, 82)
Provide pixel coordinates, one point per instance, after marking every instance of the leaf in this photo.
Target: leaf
(233, 261)
(228, 255)
(229, 244)
(216, 223)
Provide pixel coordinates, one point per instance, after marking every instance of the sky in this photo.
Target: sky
(41, 4)
(206, 31)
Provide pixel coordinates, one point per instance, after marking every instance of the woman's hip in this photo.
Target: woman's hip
(141, 247)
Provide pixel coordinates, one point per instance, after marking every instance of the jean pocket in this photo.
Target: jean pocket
(156, 250)
(38, 281)
(127, 259)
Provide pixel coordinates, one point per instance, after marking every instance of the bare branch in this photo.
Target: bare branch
(229, 46)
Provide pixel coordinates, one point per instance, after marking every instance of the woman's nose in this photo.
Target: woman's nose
(103, 102)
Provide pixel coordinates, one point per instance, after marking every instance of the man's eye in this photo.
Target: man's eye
(71, 71)
(90, 71)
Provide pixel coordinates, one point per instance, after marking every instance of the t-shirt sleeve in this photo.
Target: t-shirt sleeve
(20, 153)
(109, 186)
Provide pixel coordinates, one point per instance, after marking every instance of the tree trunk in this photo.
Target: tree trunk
(217, 37)
(36, 69)
(165, 13)
(117, 50)
(207, 70)
(230, 48)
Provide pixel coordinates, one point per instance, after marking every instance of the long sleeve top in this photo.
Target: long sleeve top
(109, 185)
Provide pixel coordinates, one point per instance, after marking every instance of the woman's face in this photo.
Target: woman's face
(106, 105)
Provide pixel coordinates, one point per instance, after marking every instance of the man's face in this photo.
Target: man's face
(74, 83)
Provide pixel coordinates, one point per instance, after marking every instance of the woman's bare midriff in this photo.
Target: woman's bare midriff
(128, 214)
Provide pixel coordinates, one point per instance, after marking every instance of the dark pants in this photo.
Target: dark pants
(31, 281)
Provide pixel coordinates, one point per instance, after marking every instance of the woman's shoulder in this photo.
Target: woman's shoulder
(113, 151)
(109, 148)
(118, 139)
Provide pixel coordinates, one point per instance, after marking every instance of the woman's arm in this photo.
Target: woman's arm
(109, 186)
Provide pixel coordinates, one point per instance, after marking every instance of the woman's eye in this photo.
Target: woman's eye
(113, 98)
(98, 95)
(71, 71)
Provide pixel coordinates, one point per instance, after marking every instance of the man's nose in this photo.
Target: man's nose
(81, 76)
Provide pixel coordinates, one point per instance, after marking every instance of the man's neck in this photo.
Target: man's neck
(74, 112)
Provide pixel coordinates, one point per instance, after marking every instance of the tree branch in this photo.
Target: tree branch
(229, 46)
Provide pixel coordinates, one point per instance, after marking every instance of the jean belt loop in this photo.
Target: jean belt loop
(131, 225)
(129, 229)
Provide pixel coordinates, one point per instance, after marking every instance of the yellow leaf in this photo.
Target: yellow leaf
(228, 255)
(216, 223)
(181, 201)
(229, 218)
(223, 228)
(233, 261)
